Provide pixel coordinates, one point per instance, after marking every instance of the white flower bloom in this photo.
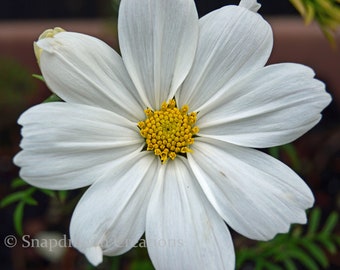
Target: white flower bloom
(176, 174)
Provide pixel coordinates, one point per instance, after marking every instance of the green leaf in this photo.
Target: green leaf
(296, 231)
(48, 192)
(265, 264)
(293, 155)
(18, 217)
(330, 224)
(62, 195)
(141, 265)
(30, 201)
(243, 255)
(271, 266)
(303, 258)
(259, 263)
(289, 264)
(327, 243)
(23, 195)
(30, 190)
(337, 240)
(274, 152)
(315, 251)
(90, 267)
(39, 77)
(299, 6)
(314, 221)
(115, 263)
(52, 98)
(18, 182)
(310, 13)
(11, 198)
(270, 248)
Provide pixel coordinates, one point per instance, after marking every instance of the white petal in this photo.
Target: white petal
(94, 255)
(272, 106)
(233, 42)
(257, 195)
(158, 41)
(67, 146)
(82, 69)
(183, 231)
(250, 4)
(110, 217)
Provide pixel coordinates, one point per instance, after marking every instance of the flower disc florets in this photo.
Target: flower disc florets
(169, 131)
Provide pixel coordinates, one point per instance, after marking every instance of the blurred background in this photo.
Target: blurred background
(22, 21)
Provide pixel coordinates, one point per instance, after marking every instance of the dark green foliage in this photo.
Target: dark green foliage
(305, 246)
(23, 197)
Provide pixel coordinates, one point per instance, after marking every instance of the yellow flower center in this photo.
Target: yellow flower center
(169, 131)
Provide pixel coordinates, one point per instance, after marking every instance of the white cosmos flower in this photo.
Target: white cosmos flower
(101, 136)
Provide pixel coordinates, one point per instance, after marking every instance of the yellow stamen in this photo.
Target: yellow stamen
(169, 131)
